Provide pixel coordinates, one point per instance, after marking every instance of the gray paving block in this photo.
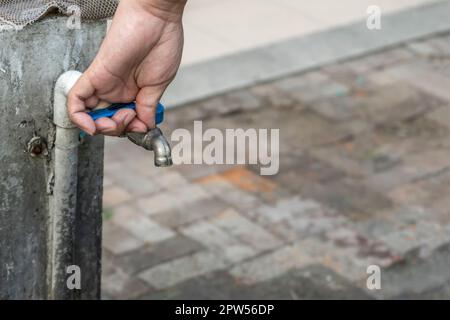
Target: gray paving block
(149, 256)
(314, 282)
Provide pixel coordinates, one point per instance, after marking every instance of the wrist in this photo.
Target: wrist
(169, 10)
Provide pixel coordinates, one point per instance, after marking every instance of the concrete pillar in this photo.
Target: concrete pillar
(30, 62)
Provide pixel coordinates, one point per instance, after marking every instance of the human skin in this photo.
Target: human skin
(138, 59)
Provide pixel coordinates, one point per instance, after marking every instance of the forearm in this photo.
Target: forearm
(170, 10)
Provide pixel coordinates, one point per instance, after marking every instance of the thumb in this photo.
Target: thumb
(78, 99)
(146, 103)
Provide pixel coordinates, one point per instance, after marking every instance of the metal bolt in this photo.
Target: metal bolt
(36, 146)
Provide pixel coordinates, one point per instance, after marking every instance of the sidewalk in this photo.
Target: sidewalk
(364, 179)
(215, 28)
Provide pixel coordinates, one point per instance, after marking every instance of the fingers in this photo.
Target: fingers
(116, 125)
(146, 102)
(137, 126)
(82, 92)
(82, 97)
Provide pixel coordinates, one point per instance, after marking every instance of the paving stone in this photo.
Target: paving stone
(389, 221)
(407, 230)
(219, 241)
(312, 282)
(140, 225)
(414, 167)
(341, 108)
(363, 155)
(273, 96)
(138, 185)
(405, 103)
(313, 93)
(430, 192)
(343, 74)
(312, 86)
(152, 255)
(420, 76)
(416, 278)
(121, 286)
(108, 265)
(191, 212)
(440, 45)
(315, 282)
(245, 99)
(107, 182)
(294, 219)
(172, 199)
(349, 253)
(248, 181)
(244, 230)
(216, 285)
(141, 185)
(381, 78)
(315, 131)
(389, 103)
(343, 250)
(349, 197)
(440, 291)
(441, 116)
(424, 236)
(115, 195)
(119, 241)
(285, 209)
(424, 132)
(270, 265)
(193, 172)
(302, 171)
(116, 169)
(176, 271)
(228, 193)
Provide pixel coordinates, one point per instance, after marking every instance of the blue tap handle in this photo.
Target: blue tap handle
(112, 110)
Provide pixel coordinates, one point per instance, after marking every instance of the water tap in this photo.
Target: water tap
(153, 140)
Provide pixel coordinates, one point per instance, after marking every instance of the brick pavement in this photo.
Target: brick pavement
(364, 179)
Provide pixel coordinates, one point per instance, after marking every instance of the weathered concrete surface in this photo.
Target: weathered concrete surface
(30, 62)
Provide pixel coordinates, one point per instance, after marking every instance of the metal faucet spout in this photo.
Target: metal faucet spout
(155, 141)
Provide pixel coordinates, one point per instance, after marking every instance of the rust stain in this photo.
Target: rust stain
(243, 179)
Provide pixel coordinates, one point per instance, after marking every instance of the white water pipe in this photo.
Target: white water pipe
(63, 201)
(64, 198)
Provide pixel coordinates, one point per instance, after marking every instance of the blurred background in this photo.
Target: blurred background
(364, 119)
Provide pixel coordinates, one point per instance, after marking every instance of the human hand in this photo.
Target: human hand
(138, 59)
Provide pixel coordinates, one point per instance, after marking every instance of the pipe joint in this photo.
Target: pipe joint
(62, 88)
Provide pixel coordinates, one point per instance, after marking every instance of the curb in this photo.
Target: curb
(198, 81)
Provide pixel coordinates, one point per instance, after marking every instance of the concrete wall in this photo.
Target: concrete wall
(30, 62)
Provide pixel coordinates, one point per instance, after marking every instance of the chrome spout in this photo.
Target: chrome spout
(155, 141)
